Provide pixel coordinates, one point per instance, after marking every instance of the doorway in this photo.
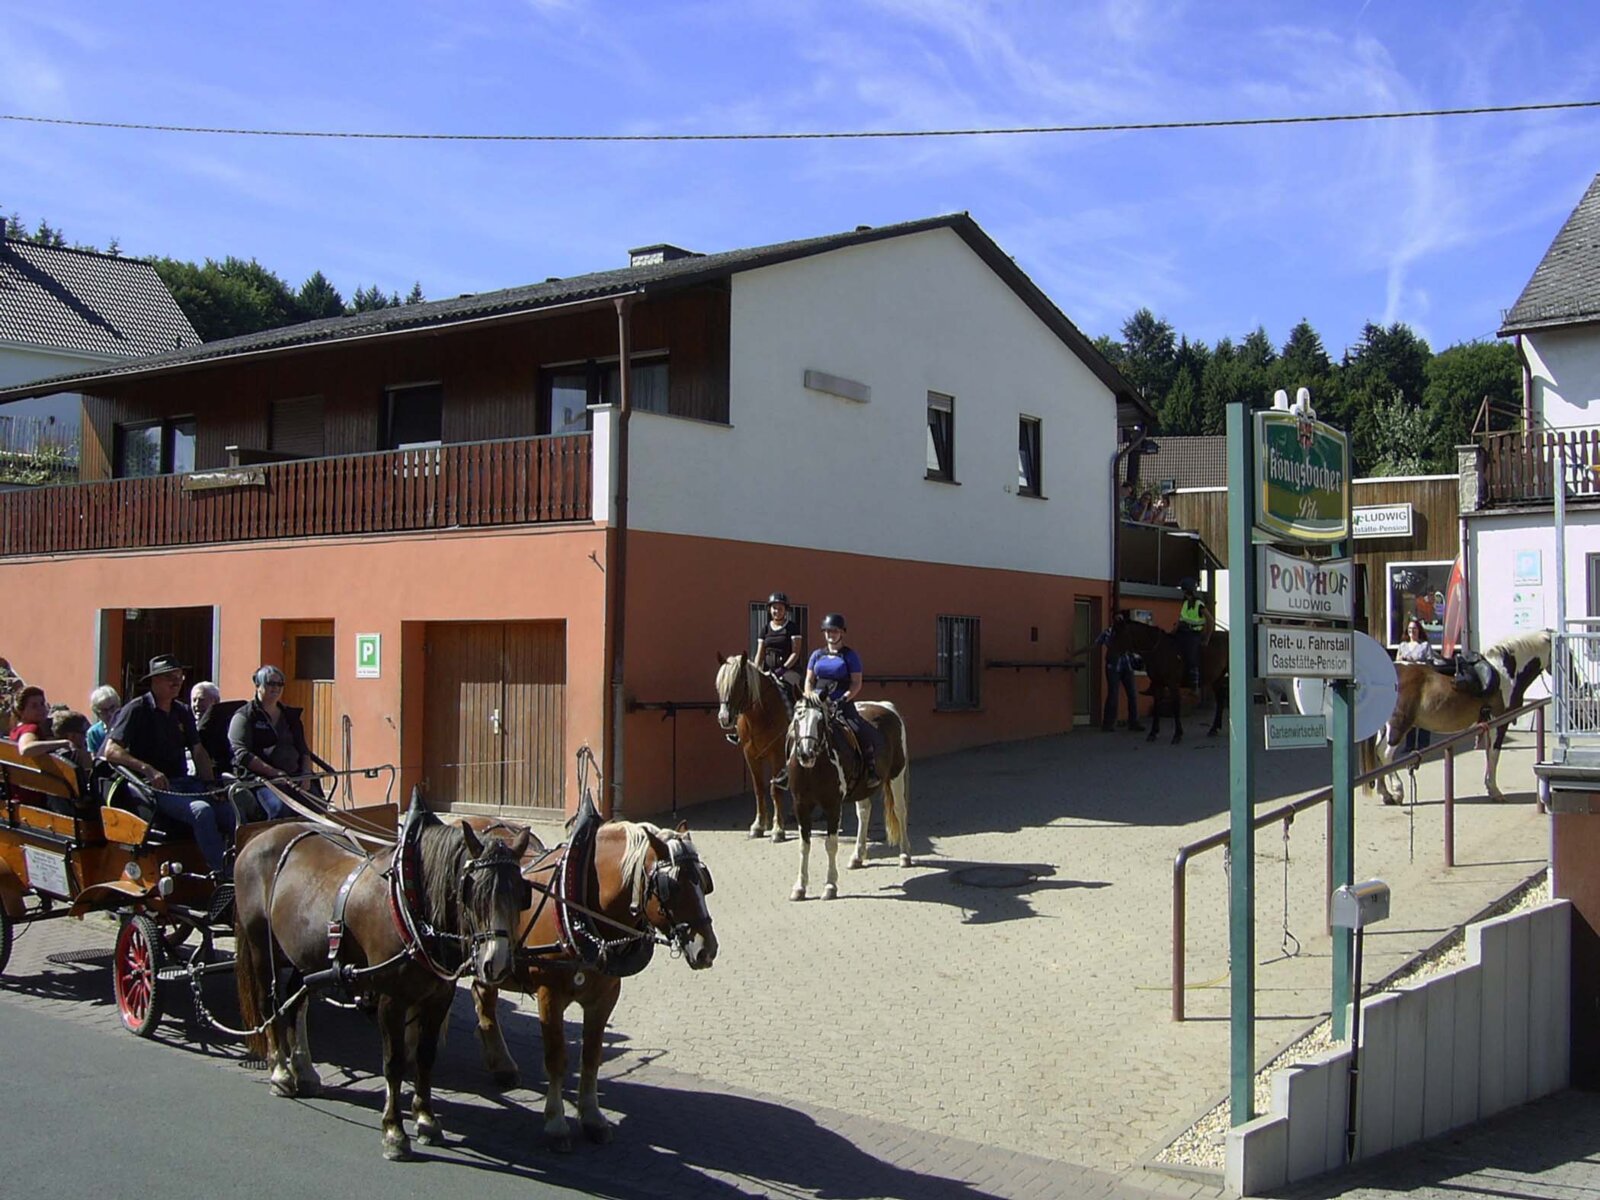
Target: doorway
(188, 633)
(495, 704)
(1087, 682)
(308, 668)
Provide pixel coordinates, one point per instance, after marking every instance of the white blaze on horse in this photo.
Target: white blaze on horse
(1429, 699)
(749, 702)
(827, 771)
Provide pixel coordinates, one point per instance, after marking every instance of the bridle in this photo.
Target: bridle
(808, 746)
(666, 878)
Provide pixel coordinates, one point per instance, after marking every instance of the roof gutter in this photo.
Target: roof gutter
(78, 383)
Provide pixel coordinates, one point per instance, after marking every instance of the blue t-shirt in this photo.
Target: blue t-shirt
(833, 671)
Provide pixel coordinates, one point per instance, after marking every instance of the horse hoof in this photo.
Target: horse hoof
(429, 1134)
(830, 892)
(309, 1086)
(1176, 738)
(507, 1079)
(855, 862)
(799, 893)
(1151, 736)
(1393, 800)
(599, 1133)
(756, 831)
(397, 1149)
(905, 860)
(778, 835)
(561, 1145)
(283, 1085)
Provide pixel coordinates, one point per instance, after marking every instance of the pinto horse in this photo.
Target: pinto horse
(1163, 662)
(1430, 700)
(749, 702)
(650, 886)
(291, 879)
(826, 771)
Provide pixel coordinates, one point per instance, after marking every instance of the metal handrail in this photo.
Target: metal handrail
(1286, 813)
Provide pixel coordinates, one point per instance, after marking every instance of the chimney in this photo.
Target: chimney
(650, 256)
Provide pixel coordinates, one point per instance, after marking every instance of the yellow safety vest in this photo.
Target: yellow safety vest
(1192, 614)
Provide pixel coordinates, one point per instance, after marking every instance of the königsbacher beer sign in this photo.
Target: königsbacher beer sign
(1302, 479)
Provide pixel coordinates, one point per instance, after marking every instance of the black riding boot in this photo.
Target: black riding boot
(869, 757)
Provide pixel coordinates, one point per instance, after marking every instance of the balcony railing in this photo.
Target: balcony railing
(1521, 468)
(465, 486)
(1158, 555)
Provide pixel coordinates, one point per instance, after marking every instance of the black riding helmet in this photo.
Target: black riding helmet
(778, 598)
(1188, 585)
(834, 621)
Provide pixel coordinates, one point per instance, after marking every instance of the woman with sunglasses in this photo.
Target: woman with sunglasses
(268, 740)
(835, 670)
(103, 703)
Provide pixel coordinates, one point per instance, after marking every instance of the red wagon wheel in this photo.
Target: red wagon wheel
(135, 968)
(5, 938)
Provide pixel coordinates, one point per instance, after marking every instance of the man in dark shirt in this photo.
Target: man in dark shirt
(153, 736)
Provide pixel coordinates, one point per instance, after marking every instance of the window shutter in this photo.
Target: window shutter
(297, 427)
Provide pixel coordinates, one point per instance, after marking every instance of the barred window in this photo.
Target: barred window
(958, 663)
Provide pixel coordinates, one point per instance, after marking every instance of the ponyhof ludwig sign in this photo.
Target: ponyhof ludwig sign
(1302, 479)
(1302, 587)
(1284, 651)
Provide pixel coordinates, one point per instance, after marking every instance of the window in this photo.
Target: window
(941, 437)
(1417, 589)
(1592, 563)
(313, 656)
(156, 448)
(758, 623)
(1030, 471)
(296, 427)
(572, 388)
(414, 417)
(958, 663)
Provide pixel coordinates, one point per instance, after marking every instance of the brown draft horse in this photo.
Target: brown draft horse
(1430, 700)
(749, 702)
(288, 876)
(1163, 662)
(826, 772)
(650, 887)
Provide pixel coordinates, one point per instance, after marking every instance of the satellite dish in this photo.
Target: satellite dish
(1377, 688)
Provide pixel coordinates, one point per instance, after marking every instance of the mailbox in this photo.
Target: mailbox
(1357, 905)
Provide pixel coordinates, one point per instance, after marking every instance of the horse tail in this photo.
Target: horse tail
(897, 790)
(247, 974)
(1369, 759)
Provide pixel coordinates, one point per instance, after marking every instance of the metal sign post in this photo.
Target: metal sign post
(1341, 729)
(1241, 768)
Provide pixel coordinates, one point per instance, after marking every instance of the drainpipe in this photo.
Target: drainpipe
(617, 567)
(1116, 519)
(1527, 388)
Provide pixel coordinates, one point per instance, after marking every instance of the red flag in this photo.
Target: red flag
(1455, 609)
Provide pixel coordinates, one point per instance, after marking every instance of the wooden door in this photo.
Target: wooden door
(185, 632)
(495, 711)
(308, 671)
(1086, 683)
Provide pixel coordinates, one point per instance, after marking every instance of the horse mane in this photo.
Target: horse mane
(442, 849)
(634, 853)
(738, 667)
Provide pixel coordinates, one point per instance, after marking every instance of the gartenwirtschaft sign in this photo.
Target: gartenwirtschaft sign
(1291, 731)
(1301, 587)
(1284, 651)
(1302, 479)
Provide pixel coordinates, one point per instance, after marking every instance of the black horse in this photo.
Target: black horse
(1163, 662)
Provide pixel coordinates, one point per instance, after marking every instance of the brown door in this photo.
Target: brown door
(495, 713)
(1086, 683)
(185, 632)
(309, 673)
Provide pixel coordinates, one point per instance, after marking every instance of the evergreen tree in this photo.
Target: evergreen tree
(415, 296)
(1180, 411)
(1460, 379)
(1149, 354)
(317, 298)
(1219, 384)
(1388, 366)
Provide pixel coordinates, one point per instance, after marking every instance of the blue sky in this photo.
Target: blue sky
(1434, 222)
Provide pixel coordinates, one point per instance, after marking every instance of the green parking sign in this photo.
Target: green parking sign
(369, 655)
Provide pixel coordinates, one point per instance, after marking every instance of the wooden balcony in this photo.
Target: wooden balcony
(1521, 468)
(471, 485)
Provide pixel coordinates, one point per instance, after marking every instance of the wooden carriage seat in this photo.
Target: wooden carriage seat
(118, 791)
(52, 778)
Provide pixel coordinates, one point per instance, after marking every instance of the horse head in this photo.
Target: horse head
(735, 689)
(675, 886)
(808, 729)
(493, 894)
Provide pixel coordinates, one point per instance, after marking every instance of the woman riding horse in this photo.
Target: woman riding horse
(835, 671)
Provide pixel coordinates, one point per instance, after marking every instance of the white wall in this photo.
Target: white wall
(904, 316)
(1565, 364)
(1493, 545)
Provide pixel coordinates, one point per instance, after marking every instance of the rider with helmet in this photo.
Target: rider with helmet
(835, 670)
(779, 647)
(1192, 630)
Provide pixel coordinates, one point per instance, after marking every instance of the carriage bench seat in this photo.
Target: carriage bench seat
(118, 792)
(54, 779)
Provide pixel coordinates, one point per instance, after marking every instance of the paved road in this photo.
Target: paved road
(920, 1035)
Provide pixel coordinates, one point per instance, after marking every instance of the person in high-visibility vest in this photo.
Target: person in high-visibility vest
(1192, 630)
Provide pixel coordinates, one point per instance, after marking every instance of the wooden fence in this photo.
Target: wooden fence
(1522, 467)
(465, 486)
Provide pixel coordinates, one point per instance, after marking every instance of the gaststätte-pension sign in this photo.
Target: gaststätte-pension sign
(1302, 479)
(1314, 589)
(1285, 651)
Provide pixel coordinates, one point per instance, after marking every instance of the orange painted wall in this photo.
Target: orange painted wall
(389, 586)
(689, 600)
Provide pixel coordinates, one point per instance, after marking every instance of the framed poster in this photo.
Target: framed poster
(1417, 589)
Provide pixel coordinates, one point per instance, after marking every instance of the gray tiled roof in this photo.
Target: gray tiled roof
(648, 280)
(77, 300)
(1565, 288)
(1188, 461)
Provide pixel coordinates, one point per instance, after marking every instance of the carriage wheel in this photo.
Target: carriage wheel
(135, 967)
(5, 938)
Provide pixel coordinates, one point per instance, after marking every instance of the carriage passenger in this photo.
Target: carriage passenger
(835, 670)
(267, 739)
(1192, 630)
(152, 736)
(35, 738)
(780, 645)
(103, 704)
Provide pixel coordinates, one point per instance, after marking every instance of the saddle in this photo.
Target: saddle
(1473, 673)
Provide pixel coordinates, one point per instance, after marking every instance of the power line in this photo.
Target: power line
(805, 136)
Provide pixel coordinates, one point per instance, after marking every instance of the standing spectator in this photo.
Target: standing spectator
(1119, 674)
(1416, 649)
(103, 704)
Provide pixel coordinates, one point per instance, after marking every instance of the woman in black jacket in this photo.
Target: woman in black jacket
(268, 740)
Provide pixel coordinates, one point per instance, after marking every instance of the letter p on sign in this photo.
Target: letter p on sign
(369, 655)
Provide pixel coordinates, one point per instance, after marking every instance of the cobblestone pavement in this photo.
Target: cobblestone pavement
(920, 1030)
